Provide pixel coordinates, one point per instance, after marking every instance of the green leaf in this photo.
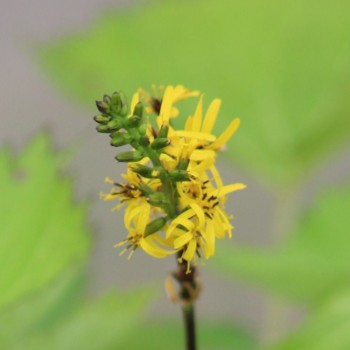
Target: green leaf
(314, 262)
(282, 66)
(328, 328)
(170, 335)
(100, 324)
(41, 230)
(40, 311)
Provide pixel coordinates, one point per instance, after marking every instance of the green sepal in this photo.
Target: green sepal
(120, 139)
(160, 143)
(178, 175)
(130, 156)
(102, 119)
(142, 129)
(154, 226)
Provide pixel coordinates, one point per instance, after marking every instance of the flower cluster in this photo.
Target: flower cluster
(172, 191)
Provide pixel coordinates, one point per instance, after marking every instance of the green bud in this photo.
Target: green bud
(130, 156)
(102, 106)
(157, 199)
(138, 110)
(159, 143)
(116, 99)
(142, 129)
(154, 226)
(178, 175)
(123, 105)
(133, 121)
(120, 139)
(163, 132)
(107, 99)
(103, 128)
(144, 141)
(101, 119)
(115, 124)
(144, 171)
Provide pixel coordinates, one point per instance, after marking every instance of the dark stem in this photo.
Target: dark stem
(190, 328)
(189, 291)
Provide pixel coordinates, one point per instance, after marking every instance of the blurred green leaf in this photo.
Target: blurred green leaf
(41, 230)
(40, 311)
(170, 335)
(314, 262)
(284, 67)
(328, 328)
(100, 324)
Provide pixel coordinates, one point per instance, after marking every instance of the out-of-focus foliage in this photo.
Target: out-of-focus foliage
(41, 231)
(44, 245)
(282, 66)
(211, 336)
(313, 263)
(327, 329)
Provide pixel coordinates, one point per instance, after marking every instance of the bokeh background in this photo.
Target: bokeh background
(283, 67)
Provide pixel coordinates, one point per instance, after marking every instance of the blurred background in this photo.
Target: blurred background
(282, 282)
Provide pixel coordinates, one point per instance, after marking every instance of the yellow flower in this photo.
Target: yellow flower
(203, 218)
(200, 130)
(136, 220)
(162, 101)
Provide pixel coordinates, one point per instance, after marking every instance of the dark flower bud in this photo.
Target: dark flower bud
(102, 106)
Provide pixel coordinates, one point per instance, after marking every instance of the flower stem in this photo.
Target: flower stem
(189, 291)
(190, 327)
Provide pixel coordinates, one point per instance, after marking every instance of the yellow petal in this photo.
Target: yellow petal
(197, 118)
(230, 188)
(196, 135)
(226, 135)
(199, 213)
(191, 249)
(211, 115)
(135, 99)
(182, 240)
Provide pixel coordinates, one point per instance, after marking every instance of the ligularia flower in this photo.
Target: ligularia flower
(173, 193)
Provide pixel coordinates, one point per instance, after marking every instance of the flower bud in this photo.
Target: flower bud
(133, 121)
(160, 143)
(102, 106)
(130, 156)
(103, 128)
(178, 175)
(157, 199)
(101, 119)
(145, 171)
(163, 132)
(120, 139)
(144, 141)
(138, 110)
(107, 99)
(154, 226)
(115, 124)
(183, 164)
